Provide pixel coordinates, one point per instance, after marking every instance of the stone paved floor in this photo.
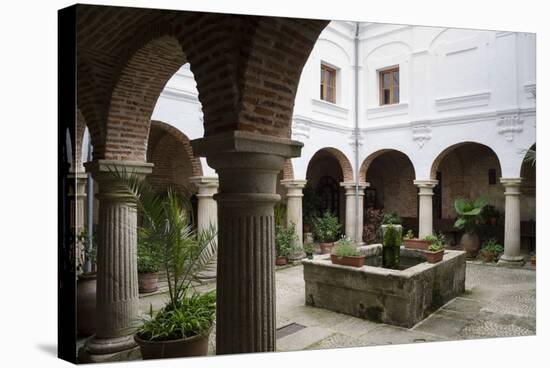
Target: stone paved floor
(499, 302)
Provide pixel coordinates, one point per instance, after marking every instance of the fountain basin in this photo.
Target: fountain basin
(401, 297)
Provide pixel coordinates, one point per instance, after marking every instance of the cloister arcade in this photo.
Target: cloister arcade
(247, 70)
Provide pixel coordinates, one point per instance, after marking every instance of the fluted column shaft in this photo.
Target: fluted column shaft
(117, 285)
(354, 219)
(247, 165)
(512, 222)
(425, 206)
(294, 211)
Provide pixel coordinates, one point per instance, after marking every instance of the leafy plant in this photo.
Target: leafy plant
(190, 317)
(279, 214)
(148, 254)
(285, 240)
(409, 235)
(391, 218)
(345, 249)
(489, 212)
(469, 213)
(309, 248)
(492, 246)
(183, 251)
(326, 228)
(437, 241)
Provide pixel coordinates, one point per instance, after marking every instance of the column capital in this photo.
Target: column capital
(101, 168)
(511, 182)
(205, 181)
(350, 187)
(294, 183)
(425, 183)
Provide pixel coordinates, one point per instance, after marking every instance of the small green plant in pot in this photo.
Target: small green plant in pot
(469, 215)
(491, 250)
(436, 250)
(410, 242)
(344, 253)
(182, 326)
(309, 249)
(490, 215)
(285, 240)
(326, 230)
(148, 262)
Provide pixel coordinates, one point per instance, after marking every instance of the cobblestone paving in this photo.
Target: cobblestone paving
(499, 302)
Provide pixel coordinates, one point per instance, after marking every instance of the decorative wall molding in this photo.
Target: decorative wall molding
(509, 126)
(463, 101)
(530, 90)
(300, 128)
(330, 109)
(386, 111)
(421, 132)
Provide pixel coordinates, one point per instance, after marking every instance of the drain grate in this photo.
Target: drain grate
(288, 330)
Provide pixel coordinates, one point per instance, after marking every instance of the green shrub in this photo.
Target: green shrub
(409, 235)
(492, 246)
(345, 250)
(326, 228)
(285, 240)
(309, 248)
(437, 241)
(392, 238)
(391, 218)
(469, 213)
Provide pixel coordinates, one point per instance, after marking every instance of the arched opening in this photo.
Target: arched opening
(529, 200)
(326, 170)
(468, 170)
(390, 174)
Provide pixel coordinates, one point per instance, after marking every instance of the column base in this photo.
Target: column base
(513, 261)
(109, 350)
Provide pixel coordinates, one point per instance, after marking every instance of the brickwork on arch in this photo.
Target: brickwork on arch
(79, 136)
(171, 153)
(370, 159)
(288, 170)
(345, 165)
(247, 69)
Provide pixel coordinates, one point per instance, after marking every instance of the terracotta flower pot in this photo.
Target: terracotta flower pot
(353, 261)
(86, 304)
(186, 347)
(326, 248)
(416, 244)
(281, 261)
(148, 282)
(434, 257)
(487, 256)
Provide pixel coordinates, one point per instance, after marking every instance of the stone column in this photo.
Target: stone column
(425, 210)
(77, 201)
(207, 214)
(294, 211)
(352, 231)
(247, 165)
(512, 235)
(117, 286)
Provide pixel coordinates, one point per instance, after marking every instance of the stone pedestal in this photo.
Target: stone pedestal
(117, 286)
(294, 211)
(207, 214)
(354, 219)
(425, 210)
(247, 165)
(512, 234)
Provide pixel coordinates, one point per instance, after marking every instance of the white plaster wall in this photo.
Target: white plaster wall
(456, 86)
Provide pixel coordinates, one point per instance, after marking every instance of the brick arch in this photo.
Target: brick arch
(441, 156)
(370, 158)
(288, 170)
(134, 97)
(160, 129)
(345, 165)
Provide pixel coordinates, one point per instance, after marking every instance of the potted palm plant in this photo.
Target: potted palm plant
(148, 263)
(285, 238)
(347, 255)
(86, 285)
(469, 214)
(183, 325)
(326, 230)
